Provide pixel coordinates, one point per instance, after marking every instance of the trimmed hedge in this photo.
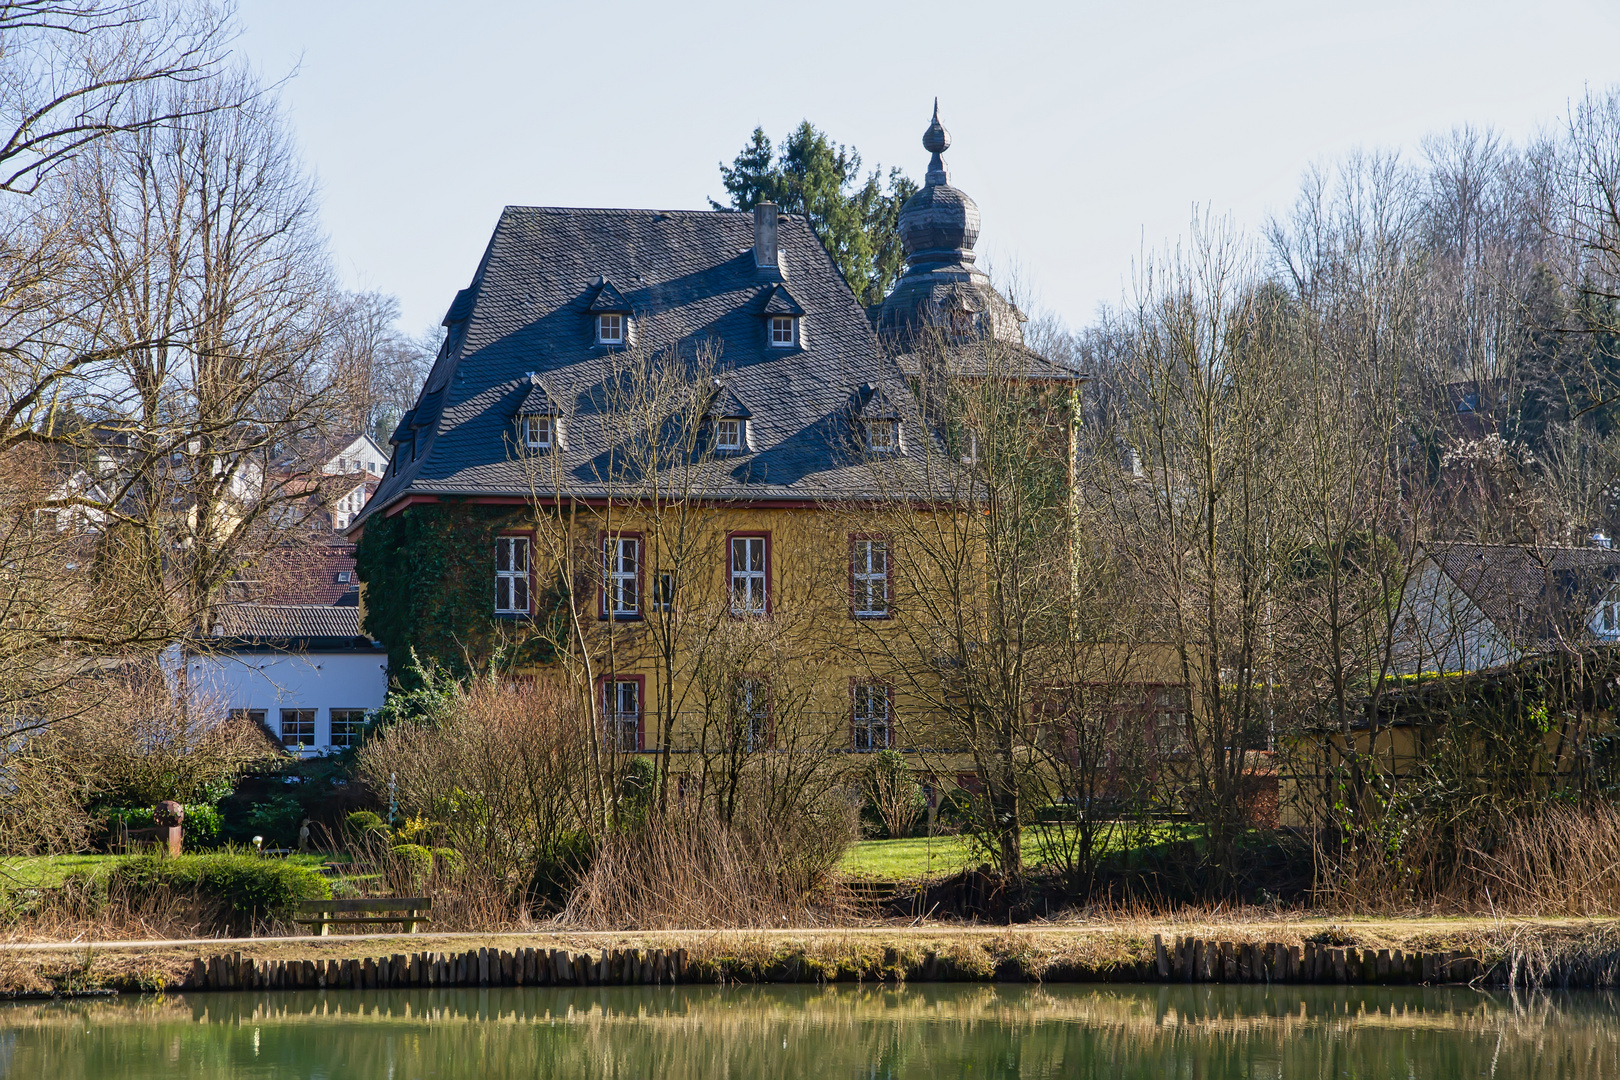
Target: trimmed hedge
(253, 890)
(202, 822)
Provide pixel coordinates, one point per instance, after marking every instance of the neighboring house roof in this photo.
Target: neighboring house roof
(290, 626)
(318, 451)
(690, 280)
(315, 574)
(1533, 594)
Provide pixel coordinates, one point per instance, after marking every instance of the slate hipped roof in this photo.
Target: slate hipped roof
(689, 279)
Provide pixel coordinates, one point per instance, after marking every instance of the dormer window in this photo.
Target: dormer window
(728, 434)
(882, 436)
(538, 432)
(610, 328)
(784, 331)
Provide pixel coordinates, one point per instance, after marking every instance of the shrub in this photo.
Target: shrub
(362, 822)
(243, 892)
(415, 863)
(203, 823)
(449, 861)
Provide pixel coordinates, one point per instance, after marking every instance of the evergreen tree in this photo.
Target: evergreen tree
(811, 175)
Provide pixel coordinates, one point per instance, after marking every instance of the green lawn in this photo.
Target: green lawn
(942, 856)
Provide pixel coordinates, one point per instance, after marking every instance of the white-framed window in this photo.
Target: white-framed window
(882, 436)
(348, 726)
(344, 576)
(621, 578)
(664, 592)
(621, 714)
(1607, 621)
(511, 575)
(871, 718)
(298, 727)
(537, 432)
(784, 332)
(748, 576)
(753, 714)
(728, 435)
(252, 716)
(869, 561)
(610, 328)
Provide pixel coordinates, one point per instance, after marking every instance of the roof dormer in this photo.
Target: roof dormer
(730, 420)
(539, 419)
(610, 316)
(784, 319)
(878, 421)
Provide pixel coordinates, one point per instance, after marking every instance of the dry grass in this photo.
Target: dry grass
(690, 871)
(1557, 862)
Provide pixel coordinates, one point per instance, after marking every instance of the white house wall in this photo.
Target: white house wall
(1442, 630)
(273, 681)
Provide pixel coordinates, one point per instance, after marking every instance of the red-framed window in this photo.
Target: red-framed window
(624, 710)
(514, 574)
(751, 720)
(621, 590)
(748, 573)
(871, 576)
(871, 716)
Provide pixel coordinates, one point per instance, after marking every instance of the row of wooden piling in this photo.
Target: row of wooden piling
(1186, 959)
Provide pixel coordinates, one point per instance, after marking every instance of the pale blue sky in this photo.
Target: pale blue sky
(1081, 129)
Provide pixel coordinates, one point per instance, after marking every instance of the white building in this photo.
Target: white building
(1470, 607)
(304, 672)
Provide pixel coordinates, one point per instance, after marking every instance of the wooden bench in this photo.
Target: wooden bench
(326, 914)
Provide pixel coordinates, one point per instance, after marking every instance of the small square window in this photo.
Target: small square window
(881, 436)
(784, 334)
(537, 432)
(348, 726)
(343, 577)
(610, 329)
(728, 435)
(298, 727)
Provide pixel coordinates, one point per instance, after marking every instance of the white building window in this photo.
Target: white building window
(869, 565)
(748, 576)
(882, 436)
(621, 714)
(1607, 622)
(348, 726)
(871, 718)
(537, 432)
(728, 435)
(753, 718)
(784, 332)
(298, 727)
(610, 328)
(621, 594)
(512, 575)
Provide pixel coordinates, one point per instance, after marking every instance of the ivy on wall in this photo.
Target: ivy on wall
(430, 586)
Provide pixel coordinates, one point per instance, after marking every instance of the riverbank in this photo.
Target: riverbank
(1541, 952)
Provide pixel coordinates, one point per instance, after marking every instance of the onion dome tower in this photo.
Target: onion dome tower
(941, 290)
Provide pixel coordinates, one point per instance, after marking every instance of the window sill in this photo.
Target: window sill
(514, 616)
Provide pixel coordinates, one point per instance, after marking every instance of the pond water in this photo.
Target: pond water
(871, 1033)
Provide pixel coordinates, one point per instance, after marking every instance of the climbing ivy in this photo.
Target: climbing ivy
(430, 586)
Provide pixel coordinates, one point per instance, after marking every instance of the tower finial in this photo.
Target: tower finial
(936, 140)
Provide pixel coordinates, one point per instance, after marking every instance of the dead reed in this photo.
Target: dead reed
(1559, 861)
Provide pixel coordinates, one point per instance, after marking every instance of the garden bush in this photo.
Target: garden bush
(244, 892)
(203, 823)
(416, 863)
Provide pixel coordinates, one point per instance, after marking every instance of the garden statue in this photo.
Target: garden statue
(303, 836)
(169, 816)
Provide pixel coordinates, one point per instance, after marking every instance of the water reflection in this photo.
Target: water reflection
(875, 1033)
